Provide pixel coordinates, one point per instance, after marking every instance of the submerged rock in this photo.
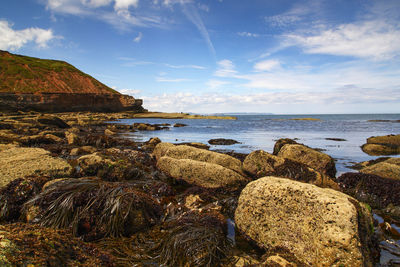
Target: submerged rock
(382, 145)
(200, 173)
(189, 152)
(18, 162)
(222, 142)
(317, 160)
(320, 227)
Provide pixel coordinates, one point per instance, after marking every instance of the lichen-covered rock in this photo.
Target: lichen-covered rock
(19, 162)
(189, 152)
(320, 227)
(82, 150)
(90, 164)
(260, 163)
(384, 169)
(200, 173)
(382, 145)
(319, 161)
(280, 143)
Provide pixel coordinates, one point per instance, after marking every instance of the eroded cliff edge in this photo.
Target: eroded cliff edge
(28, 83)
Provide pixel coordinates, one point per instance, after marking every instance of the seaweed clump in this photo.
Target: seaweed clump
(16, 193)
(94, 209)
(32, 245)
(195, 239)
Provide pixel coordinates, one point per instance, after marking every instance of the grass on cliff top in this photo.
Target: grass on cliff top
(15, 68)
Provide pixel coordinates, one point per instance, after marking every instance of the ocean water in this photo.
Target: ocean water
(261, 132)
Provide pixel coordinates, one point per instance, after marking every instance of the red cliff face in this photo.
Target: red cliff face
(28, 83)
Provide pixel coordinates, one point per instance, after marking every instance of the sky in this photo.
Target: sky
(216, 56)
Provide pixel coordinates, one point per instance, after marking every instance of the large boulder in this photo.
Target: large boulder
(260, 163)
(280, 143)
(200, 173)
(319, 226)
(193, 153)
(53, 121)
(317, 160)
(18, 162)
(382, 145)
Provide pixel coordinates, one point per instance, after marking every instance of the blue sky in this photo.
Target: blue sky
(279, 56)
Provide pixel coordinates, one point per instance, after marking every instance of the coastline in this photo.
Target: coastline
(92, 156)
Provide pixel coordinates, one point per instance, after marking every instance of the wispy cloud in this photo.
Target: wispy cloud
(214, 84)
(185, 66)
(368, 39)
(226, 68)
(267, 65)
(191, 13)
(15, 39)
(248, 34)
(138, 38)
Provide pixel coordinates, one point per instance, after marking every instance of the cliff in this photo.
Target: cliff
(28, 83)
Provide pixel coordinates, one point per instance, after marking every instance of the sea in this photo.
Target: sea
(338, 135)
(257, 131)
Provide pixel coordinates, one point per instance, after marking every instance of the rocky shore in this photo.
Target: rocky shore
(74, 193)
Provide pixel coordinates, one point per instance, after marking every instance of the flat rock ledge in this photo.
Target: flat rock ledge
(18, 162)
(319, 226)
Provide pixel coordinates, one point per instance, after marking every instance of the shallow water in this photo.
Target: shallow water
(261, 131)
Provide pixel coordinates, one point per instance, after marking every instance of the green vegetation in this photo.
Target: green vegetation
(25, 74)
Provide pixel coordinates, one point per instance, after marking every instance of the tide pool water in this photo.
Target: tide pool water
(261, 131)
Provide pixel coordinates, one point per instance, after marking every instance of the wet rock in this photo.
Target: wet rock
(389, 168)
(376, 191)
(200, 173)
(278, 261)
(82, 150)
(16, 193)
(53, 121)
(146, 127)
(19, 162)
(92, 163)
(222, 142)
(319, 161)
(188, 152)
(278, 213)
(72, 138)
(33, 245)
(196, 145)
(336, 139)
(382, 145)
(109, 132)
(180, 125)
(260, 163)
(280, 143)
(151, 143)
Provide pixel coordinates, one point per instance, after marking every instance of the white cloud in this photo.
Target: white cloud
(248, 34)
(217, 102)
(128, 91)
(267, 65)
(14, 39)
(96, 3)
(213, 84)
(369, 39)
(125, 4)
(226, 68)
(185, 66)
(138, 38)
